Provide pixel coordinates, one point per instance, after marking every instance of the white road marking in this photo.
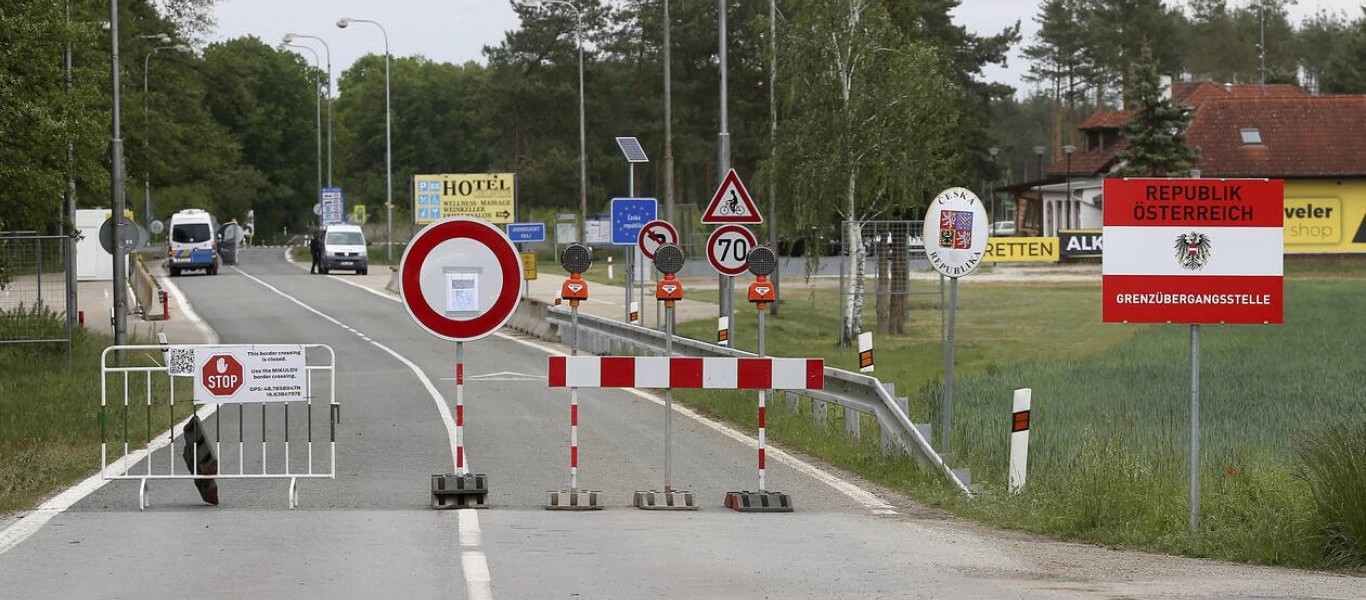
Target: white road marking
(27, 524)
(867, 499)
(477, 580)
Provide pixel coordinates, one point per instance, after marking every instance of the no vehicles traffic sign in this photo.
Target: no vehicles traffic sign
(461, 279)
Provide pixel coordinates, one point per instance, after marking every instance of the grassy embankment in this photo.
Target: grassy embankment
(50, 415)
(1283, 442)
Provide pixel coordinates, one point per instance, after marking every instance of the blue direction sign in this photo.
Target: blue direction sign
(526, 233)
(333, 206)
(629, 215)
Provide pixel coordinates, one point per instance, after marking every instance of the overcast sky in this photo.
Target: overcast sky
(456, 30)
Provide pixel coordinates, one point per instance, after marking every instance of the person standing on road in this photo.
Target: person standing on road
(315, 247)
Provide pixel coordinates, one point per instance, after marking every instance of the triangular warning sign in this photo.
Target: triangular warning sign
(731, 204)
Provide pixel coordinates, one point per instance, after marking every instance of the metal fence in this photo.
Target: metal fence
(34, 303)
(887, 252)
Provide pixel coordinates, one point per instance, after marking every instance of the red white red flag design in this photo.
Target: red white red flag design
(1193, 251)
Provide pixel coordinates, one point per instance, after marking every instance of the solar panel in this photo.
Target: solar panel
(631, 148)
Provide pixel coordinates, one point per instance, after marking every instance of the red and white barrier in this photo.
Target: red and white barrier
(687, 373)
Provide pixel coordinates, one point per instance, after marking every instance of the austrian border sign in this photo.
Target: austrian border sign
(955, 232)
(256, 373)
(488, 196)
(1193, 251)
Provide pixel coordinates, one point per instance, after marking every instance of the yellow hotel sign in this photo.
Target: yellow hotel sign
(488, 196)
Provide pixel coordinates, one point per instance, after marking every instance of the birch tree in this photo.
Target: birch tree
(868, 113)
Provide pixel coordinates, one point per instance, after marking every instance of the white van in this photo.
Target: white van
(344, 248)
(191, 242)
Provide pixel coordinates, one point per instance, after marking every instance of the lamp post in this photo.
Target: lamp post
(146, 176)
(317, 85)
(289, 39)
(116, 183)
(388, 138)
(1068, 150)
(993, 151)
(583, 153)
(1038, 160)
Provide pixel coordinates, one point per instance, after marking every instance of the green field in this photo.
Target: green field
(1110, 422)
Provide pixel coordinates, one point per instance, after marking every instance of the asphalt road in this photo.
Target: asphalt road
(370, 533)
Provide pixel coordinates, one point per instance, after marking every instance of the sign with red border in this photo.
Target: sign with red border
(1193, 251)
(731, 204)
(461, 278)
(728, 249)
(655, 234)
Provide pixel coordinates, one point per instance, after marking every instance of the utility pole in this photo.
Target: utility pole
(116, 187)
(668, 125)
(726, 287)
(773, 143)
(71, 316)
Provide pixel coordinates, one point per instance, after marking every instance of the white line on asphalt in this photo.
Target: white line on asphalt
(864, 497)
(28, 524)
(477, 580)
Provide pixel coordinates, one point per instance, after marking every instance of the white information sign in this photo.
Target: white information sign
(257, 373)
(464, 292)
(955, 232)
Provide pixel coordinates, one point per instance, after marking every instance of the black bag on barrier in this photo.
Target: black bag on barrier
(196, 443)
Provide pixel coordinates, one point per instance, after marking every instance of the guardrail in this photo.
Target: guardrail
(852, 391)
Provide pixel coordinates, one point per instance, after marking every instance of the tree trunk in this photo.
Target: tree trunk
(880, 246)
(899, 251)
(853, 308)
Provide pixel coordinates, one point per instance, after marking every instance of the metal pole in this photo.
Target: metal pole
(388, 156)
(948, 368)
(327, 50)
(460, 408)
(725, 284)
(668, 124)
(146, 133)
(773, 144)
(116, 184)
(574, 404)
(1195, 429)
(583, 152)
(668, 401)
(71, 315)
(763, 397)
(318, 110)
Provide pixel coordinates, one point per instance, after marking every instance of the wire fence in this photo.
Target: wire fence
(34, 270)
(877, 259)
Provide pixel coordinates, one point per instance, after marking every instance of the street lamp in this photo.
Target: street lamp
(289, 39)
(1038, 160)
(1068, 150)
(317, 85)
(993, 151)
(388, 137)
(146, 177)
(583, 153)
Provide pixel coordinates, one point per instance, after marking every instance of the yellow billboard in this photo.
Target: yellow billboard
(1325, 216)
(1022, 249)
(488, 196)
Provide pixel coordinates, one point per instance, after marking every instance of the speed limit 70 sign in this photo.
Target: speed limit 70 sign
(728, 249)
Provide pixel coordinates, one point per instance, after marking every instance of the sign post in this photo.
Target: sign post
(653, 235)
(669, 260)
(955, 241)
(731, 204)
(575, 259)
(1193, 251)
(460, 279)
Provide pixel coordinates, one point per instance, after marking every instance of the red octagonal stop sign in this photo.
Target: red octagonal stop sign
(222, 375)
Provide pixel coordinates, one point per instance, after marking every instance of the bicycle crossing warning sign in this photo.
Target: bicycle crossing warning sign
(732, 204)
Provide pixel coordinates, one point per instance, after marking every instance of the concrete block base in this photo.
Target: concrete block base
(758, 501)
(674, 500)
(460, 491)
(570, 500)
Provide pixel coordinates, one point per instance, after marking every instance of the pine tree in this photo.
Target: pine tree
(1157, 130)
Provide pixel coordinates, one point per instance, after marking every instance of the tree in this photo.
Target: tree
(1061, 59)
(868, 116)
(1346, 69)
(1117, 30)
(1320, 39)
(1157, 130)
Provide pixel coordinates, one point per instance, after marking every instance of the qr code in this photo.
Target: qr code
(180, 362)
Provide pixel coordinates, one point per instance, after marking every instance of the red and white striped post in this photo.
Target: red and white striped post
(460, 408)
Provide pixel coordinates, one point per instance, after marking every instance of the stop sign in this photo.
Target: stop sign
(222, 375)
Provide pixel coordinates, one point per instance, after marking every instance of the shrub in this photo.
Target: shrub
(1333, 463)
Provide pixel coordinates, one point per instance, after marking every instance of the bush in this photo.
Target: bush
(34, 322)
(1333, 463)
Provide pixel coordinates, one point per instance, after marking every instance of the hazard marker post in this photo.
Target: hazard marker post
(1019, 438)
(460, 279)
(576, 258)
(865, 352)
(668, 259)
(762, 261)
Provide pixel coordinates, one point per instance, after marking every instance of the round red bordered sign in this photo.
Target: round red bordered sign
(728, 249)
(655, 234)
(460, 279)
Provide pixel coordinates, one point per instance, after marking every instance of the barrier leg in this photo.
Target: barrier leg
(573, 499)
(461, 489)
(669, 499)
(143, 499)
(763, 500)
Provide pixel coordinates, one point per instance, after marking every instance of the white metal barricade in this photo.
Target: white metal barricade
(165, 381)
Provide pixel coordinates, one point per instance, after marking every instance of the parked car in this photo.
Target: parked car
(1003, 228)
